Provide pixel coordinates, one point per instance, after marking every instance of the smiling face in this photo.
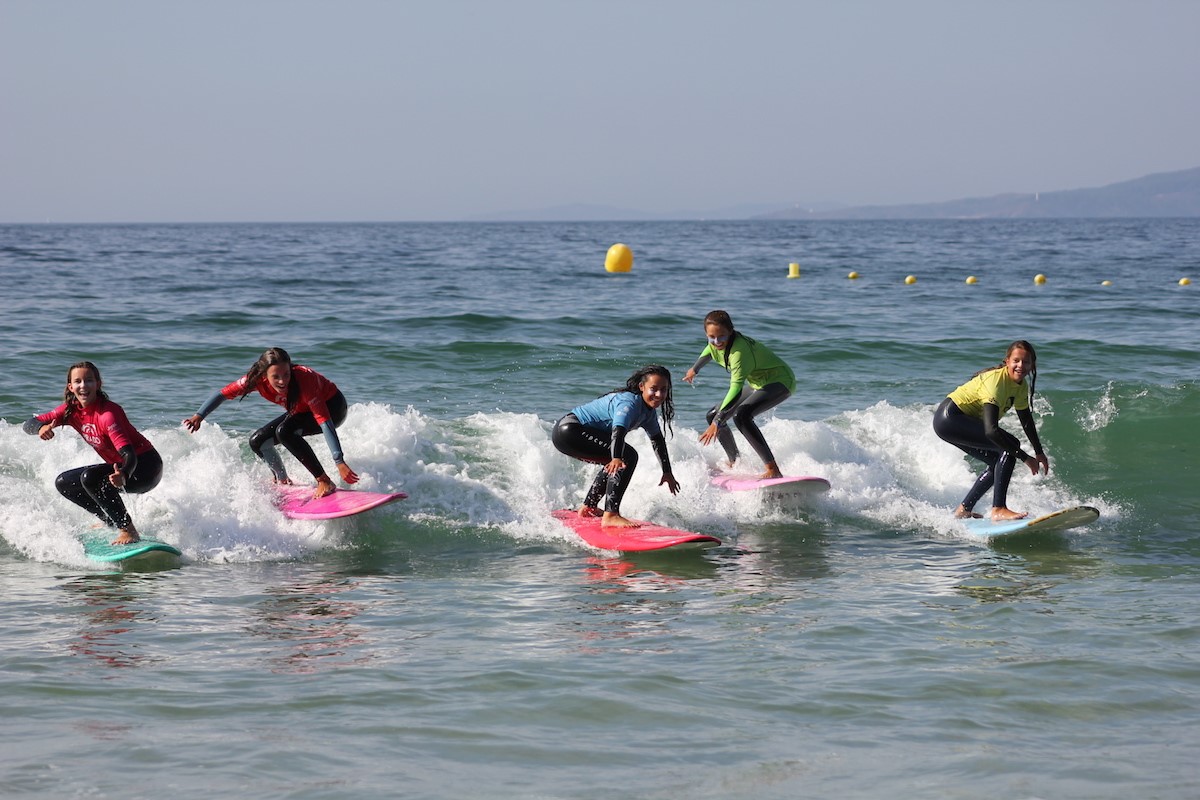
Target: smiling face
(1019, 363)
(655, 390)
(84, 384)
(718, 335)
(279, 376)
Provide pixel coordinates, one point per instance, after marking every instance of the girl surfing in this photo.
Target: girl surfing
(969, 418)
(130, 461)
(758, 381)
(595, 432)
(313, 405)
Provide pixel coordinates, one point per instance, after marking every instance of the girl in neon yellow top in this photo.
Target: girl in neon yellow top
(969, 418)
(758, 381)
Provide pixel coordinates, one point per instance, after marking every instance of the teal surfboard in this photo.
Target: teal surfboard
(146, 554)
(1061, 520)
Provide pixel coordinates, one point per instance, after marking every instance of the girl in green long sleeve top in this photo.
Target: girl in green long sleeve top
(758, 381)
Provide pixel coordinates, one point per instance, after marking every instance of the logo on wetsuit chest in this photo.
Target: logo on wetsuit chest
(90, 434)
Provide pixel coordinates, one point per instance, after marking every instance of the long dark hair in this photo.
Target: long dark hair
(1020, 344)
(634, 384)
(69, 396)
(270, 357)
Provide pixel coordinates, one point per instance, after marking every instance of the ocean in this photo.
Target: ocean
(462, 643)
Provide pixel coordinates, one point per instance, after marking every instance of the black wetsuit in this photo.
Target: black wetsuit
(985, 440)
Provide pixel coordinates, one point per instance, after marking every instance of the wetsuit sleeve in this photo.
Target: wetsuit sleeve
(704, 358)
(737, 380)
(997, 435)
(129, 460)
(210, 405)
(1030, 428)
(331, 439)
(618, 441)
(32, 426)
(659, 443)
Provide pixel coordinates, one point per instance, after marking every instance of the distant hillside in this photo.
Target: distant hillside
(1167, 194)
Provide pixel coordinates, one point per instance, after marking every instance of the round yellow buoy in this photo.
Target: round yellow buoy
(1039, 279)
(1106, 283)
(793, 270)
(1185, 281)
(619, 259)
(853, 276)
(911, 279)
(972, 279)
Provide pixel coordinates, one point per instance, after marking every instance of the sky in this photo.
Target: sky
(423, 110)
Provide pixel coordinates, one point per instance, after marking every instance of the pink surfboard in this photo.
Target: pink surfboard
(296, 502)
(799, 484)
(647, 536)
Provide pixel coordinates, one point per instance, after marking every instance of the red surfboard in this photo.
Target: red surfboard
(647, 536)
(296, 502)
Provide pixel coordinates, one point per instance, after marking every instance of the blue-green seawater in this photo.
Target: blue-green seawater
(462, 644)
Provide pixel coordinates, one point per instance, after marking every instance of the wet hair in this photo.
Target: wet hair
(634, 384)
(719, 318)
(1020, 344)
(69, 396)
(270, 357)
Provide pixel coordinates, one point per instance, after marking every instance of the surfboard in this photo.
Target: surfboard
(1061, 520)
(631, 540)
(97, 546)
(788, 484)
(296, 502)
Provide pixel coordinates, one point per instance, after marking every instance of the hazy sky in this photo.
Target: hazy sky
(214, 110)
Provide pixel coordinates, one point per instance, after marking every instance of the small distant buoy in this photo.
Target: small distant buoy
(853, 276)
(972, 279)
(1039, 279)
(1106, 283)
(1185, 281)
(619, 259)
(911, 279)
(793, 270)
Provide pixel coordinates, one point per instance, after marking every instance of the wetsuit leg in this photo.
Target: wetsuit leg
(966, 433)
(724, 435)
(289, 430)
(571, 438)
(70, 485)
(759, 401)
(262, 444)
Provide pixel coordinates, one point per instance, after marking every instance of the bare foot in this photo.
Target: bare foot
(127, 536)
(612, 520)
(772, 471)
(589, 511)
(1001, 514)
(324, 488)
(282, 481)
(962, 513)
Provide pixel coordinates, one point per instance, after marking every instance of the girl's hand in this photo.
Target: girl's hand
(117, 478)
(192, 423)
(709, 434)
(689, 376)
(46, 431)
(1044, 462)
(1035, 464)
(614, 466)
(348, 475)
(670, 481)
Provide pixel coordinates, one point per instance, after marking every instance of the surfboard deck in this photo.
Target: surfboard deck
(97, 546)
(788, 484)
(1061, 520)
(632, 540)
(296, 502)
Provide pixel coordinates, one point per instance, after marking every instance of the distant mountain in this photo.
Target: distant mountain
(1166, 194)
(583, 212)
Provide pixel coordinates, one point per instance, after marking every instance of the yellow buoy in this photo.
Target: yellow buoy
(793, 270)
(1106, 283)
(619, 258)
(1039, 279)
(911, 279)
(853, 276)
(1185, 281)
(972, 279)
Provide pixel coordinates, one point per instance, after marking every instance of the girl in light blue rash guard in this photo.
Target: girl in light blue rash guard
(595, 432)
